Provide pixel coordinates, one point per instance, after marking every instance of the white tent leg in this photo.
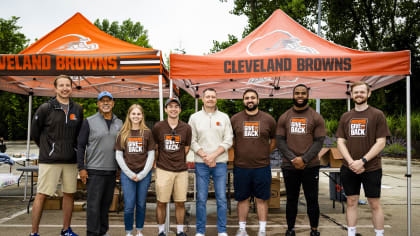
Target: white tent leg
(160, 98)
(318, 106)
(167, 222)
(196, 104)
(171, 87)
(28, 140)
(348, 104)
(408, 175)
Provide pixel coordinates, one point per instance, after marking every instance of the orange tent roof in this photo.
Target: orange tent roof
(281, 54)
(95, 60)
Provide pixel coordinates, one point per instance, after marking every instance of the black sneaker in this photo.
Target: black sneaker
(290, 233)
(315, 233)
(181, 234)
(33, 234)
(162, 234)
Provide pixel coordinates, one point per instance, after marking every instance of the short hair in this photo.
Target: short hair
(357, 83)
(62, 77)
(209, 89)
(300, 85)
(249, 90)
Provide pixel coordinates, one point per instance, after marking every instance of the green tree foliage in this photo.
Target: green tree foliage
(13, 116)
(11, 40)
(128, 31)
(379, 25)
(218, 46)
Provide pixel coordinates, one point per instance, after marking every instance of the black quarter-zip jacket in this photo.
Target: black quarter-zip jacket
(55, 132)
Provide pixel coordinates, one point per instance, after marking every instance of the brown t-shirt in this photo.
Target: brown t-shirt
(300, 128)
(361, 129)
(172, 143)
(251, 139)
(136, 148)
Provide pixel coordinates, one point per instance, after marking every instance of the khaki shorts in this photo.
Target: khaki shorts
(168, 182)
(49, 176)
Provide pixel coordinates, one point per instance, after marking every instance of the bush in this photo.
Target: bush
(398, 126)
(396, 146)
(331, 126)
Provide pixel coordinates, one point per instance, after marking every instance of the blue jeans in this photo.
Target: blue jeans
(135, 194)
(219, 175)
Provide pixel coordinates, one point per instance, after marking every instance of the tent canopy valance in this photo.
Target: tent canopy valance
(281, 54)
(95, 60)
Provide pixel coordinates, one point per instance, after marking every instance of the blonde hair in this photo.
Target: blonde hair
(127, 126)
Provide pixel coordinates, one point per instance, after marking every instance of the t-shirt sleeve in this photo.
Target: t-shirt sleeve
(382, 129)
(320, 130)
(150, 141)
(272, 128)
(117, 145)
(281, 128)
(341, 128)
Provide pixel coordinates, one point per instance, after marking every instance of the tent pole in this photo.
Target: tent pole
(318, 105)
(167, 222)
(171, 87)
(196, 104)
(28, 140)
(318, 101)
(408, 175)
(160, 98)
(348, 104)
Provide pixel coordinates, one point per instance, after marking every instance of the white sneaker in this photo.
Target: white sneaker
(261, 233)
(139, 234)
(198, 234)
(222, 234)
(129, 234)
(241, 233)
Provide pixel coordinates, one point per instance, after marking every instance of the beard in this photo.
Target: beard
(361, 102)
(295, 102)
(253, 108)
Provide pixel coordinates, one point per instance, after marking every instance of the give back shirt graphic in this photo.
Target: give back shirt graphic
(252, 134)
(298, 125)
(172, 142)
(358, 127)
(171, 145)
(251, 129)
(361, 129)
(137, 145)
(300, 128)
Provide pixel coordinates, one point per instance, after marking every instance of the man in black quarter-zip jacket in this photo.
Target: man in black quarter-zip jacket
(55, 128)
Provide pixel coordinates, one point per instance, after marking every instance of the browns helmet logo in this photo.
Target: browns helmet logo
(275, 42)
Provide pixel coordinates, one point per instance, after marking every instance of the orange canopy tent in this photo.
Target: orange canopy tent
(95, 60)
(281, 54)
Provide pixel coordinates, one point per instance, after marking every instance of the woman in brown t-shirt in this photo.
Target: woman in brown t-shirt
(135, 155)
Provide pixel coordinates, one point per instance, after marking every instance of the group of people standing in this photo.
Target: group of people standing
(95, 147)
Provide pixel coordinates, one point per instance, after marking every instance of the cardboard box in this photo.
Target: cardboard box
(274, 201)
(78, 205)
(80, 185)
(330, 157)
(336, 159)
(231, 157)
(115, 199)
(53, 203)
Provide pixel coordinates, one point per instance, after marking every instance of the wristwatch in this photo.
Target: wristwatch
(364, 160)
